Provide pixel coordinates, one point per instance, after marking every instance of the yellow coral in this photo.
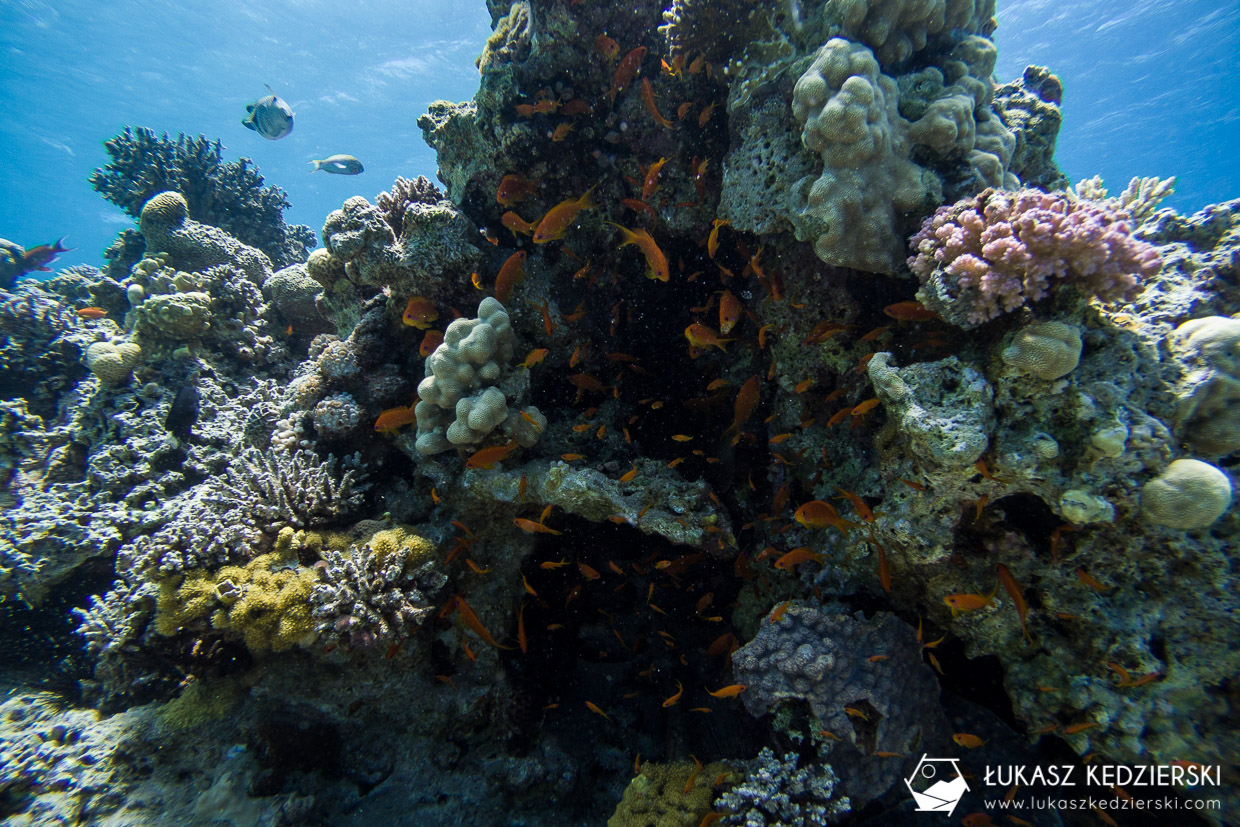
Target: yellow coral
(200, 703)
(402, 540)
(181, 601)
(657, 797)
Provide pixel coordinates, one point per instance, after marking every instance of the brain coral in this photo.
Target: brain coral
(112, 362)
(1188, 494)
(998, 251)
(1210, 395)
(1048, 350)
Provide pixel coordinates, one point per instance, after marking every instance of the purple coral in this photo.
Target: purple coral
(998, 251)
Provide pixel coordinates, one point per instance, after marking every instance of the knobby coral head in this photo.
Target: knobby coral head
(998, 251)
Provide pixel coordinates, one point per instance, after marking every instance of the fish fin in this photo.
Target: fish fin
(248, 123)
(269, 89)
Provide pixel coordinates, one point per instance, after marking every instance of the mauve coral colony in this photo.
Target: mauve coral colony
(998, 251)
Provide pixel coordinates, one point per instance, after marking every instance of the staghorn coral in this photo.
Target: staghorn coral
(775, 791)
(376, 592)
(229, 195)
(992, 254)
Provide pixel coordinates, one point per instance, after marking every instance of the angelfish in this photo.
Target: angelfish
(270, 117)
(339, 165)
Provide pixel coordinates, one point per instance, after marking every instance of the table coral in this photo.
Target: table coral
(992, 254)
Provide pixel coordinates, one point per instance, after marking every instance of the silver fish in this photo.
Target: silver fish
(339, 165)
(270, 117)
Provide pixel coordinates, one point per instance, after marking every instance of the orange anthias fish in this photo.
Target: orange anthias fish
(712, 240)
(656, 262)
(910, 312)
(458, 604)
(558, 219)
(651, 183)
(675, 699)
(625, 72)
(729, 311)
(607, 47)
(651, 107)
(531, 527)
(517, 224)
(796, 557)
(37, 258)
(489, 457)
(967, 740)
(534, 357)
(969, 602)
(746, 400)
(1018, 599)
(91, 313)
(419, 313)
(512, 272)
(393, 419)
(699, 335)
(820, 514)
(728, 691)
(432, 340)
(513, 188)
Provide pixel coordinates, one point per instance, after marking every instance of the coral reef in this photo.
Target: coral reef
(465, 394)
(667, 795)
(228, 195)
(997, 252)
(777, 791)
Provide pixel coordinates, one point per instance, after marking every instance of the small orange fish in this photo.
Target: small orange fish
(561, 132)
(796, 557)
(91, 313)
(528, 587)
(419, 313)
(458, 604)
(651, 107)
(489, 457)
(712, 240)
(625, 71)
(729, 311)
(865, 407)
(476, 281)
(727, 691)
(682, 437)
(699, 335)
(572, 457)
(705, 115)
(558, 219)
(877, 658)
(552, 564)
(803, 386)
(630, 475)
(968, 741)
(1018, 598)
(531, 527)
(978, 820)
(593, 707)
(778, 612)
(859, 505)
(910, 312)
(517, 224)
(475, 568)
(855, 712)
(656, 262)
(607, 47)
(1089, 581)
(513, 188)
(969, 602)
(823, 331)
(431, 340)
(512, 272)
(534, 357)
(577, 106)
(393, 419)
(1075, 728)
(820, 514)
(675, 699)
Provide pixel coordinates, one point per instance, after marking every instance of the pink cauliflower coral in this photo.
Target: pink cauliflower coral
(991, 254)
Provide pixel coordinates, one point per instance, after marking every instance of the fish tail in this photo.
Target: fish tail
(318, 165)
(586, 202)
(629, 236)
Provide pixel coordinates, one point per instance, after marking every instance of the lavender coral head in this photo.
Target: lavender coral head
(998, 251)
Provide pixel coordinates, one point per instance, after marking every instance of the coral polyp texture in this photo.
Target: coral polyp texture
(999, 251)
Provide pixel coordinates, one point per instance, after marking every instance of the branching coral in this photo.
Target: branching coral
(375, 592)
(776, 791)
(999, 251)
(229, 195)
(298, 489)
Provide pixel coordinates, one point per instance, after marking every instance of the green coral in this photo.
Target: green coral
(657, 797)
(266, 601)
(200, 704)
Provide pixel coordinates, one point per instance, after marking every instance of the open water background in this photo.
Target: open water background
(1151, 88)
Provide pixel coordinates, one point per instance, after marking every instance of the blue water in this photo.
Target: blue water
(1150, 89)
